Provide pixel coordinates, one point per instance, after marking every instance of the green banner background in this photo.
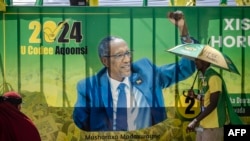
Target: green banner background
(48, 81)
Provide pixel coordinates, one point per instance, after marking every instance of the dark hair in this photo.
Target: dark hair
(12, 100)
(103, 48)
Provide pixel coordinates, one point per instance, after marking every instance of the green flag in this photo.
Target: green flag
(145, 2)
(39, 3)
(8, 2)
(223, 2)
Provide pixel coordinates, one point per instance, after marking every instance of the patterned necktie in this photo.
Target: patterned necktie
(121, 112)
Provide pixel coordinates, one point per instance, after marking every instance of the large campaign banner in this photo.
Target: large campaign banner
(46, 51)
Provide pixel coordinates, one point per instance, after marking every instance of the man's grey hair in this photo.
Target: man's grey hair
(104, 45)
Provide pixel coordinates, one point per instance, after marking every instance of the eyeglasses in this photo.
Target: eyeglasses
(120, 56)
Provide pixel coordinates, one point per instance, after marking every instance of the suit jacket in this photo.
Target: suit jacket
(93, 109)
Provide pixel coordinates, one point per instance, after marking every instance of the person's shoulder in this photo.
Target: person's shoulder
(93, 78)
(141, 65)
(143, 61)
(213, 74)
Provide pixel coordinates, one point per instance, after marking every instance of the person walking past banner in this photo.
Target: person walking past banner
(15, 125)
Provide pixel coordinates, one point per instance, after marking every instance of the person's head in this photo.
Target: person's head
(13, 97)
(115, 56)
(201, 65)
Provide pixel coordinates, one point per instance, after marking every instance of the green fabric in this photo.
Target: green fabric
(8, 2)
(145, 2)
(223, 2)
(39, 3)
(223, 101)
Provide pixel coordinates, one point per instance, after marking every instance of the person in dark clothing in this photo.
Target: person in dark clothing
(15, 125)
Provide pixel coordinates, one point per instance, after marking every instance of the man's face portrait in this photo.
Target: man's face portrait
(119, 59)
